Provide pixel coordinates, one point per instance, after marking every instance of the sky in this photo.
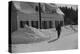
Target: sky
(64, 5)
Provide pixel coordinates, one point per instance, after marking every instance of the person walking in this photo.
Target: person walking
(58, 29)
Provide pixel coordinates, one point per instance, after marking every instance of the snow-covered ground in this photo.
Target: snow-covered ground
(67, 40)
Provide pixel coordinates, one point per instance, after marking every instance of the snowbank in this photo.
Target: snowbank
(67, 40)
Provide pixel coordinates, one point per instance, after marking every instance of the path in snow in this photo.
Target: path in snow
(68, 40)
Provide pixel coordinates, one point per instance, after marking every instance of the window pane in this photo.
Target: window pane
(32, 24)
(22, 23)
(36, 22)
(50, 24)
(27, 22)
(45, 25)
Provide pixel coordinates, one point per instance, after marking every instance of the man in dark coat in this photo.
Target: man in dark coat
(58, 29)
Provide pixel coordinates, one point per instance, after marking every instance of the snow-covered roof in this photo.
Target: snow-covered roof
(30, 10)
(59, 11)
(57, 8)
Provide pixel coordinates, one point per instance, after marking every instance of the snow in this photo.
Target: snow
(67, 40)
(47, 33)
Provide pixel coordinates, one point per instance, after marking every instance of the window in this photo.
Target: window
(36, 8)
(35, 24)
(22, 23)
(27, 22)
(50, 24)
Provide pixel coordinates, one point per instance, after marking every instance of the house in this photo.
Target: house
(27, 13)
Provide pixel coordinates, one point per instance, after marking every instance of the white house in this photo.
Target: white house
(28, 13)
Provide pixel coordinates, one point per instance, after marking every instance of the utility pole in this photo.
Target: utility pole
(39, 15)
